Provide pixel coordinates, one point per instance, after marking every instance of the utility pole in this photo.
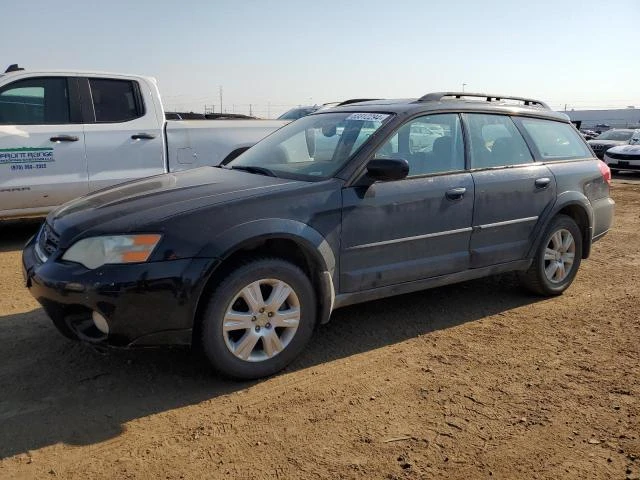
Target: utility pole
(220, 91)
(463, 85)
(250, 111)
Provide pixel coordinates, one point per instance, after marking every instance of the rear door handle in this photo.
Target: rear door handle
(543, 182)
(64, 138)
(456, 193)
(142, 136)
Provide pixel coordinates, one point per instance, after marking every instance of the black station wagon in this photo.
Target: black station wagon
(339, 207)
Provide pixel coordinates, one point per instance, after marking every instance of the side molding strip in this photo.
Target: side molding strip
(505, 223)
(410, 239)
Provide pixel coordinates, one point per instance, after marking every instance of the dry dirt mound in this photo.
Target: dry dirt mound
(476, 380)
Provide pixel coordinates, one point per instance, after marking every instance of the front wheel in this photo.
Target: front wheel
(557, 259)
(258, 319)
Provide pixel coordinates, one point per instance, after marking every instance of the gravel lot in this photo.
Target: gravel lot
(476, 380)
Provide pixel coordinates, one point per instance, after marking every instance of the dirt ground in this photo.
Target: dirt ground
(476, 380)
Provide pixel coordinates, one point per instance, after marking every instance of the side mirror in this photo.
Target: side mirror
(387, 169)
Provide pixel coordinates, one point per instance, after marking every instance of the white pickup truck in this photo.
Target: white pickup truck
(65, 134)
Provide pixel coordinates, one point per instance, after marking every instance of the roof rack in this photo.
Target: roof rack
(13, 68)
(355, 100)
(438, 96)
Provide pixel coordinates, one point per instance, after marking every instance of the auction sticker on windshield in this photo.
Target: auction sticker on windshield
(368, 117)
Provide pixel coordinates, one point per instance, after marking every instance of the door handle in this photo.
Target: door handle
(543, 182)
(142, 136)
(64, 138)
(456, 193)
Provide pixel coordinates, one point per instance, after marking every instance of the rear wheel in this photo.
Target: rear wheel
(557, 260)
(258, 319)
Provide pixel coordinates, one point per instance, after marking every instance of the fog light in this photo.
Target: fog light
(100, 322)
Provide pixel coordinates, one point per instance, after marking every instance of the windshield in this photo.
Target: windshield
(623, 135)
(312, 148)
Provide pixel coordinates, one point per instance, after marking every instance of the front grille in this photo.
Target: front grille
(599, 149)
(624, 156)
(48, 240)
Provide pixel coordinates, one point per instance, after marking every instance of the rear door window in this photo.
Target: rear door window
(35, 101)
(115, 101)
(555, 140)
(496, 142)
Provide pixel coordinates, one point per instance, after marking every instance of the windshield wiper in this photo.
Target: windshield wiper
(252, 169)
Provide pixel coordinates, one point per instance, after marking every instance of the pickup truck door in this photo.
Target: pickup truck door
(123, 132)
(42, 159)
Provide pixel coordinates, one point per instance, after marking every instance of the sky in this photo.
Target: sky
(277, 54)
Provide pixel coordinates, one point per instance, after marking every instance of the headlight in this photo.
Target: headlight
(93, 252)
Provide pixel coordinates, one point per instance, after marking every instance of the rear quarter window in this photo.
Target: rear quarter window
(555, 140)
(115, 101)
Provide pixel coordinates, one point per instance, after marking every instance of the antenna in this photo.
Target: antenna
(13, 68)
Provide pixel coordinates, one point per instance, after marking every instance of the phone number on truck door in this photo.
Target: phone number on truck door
(28, 166)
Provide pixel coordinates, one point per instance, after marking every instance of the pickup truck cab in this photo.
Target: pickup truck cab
(64, 134)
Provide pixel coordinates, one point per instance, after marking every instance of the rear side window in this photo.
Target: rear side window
(115, 100)
(496, 142)
(35, 101)
(555, 140)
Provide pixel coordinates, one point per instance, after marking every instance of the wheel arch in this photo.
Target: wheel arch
(289, 240)
(577, 207)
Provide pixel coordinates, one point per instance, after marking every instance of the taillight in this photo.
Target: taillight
(605, 171)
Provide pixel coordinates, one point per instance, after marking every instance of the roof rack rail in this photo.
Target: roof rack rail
(355, 100)
(13, 68)
(437, 96)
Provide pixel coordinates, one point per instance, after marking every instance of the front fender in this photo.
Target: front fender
(310, 240)
(245, 234)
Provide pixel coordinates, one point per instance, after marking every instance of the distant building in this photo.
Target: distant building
(619, 118)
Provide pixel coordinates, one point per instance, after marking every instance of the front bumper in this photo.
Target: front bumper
(623, 164)
(145, 304)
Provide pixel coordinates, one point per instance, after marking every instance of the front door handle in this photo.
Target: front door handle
(456, 193)
(64, 138)
(142, 136)
(543, 182)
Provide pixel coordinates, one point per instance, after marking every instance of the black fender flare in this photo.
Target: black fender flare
(564, 200)
(309, 239)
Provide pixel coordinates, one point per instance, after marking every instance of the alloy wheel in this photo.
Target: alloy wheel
(559, 255)
(261, 320)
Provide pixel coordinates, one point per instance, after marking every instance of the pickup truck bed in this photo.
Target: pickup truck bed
(196, 143)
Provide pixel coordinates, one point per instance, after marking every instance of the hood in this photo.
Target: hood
(626, 149)
(595, 141)
(131, 205)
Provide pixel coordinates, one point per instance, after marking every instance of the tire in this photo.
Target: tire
(239, 335)
(541, 277)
